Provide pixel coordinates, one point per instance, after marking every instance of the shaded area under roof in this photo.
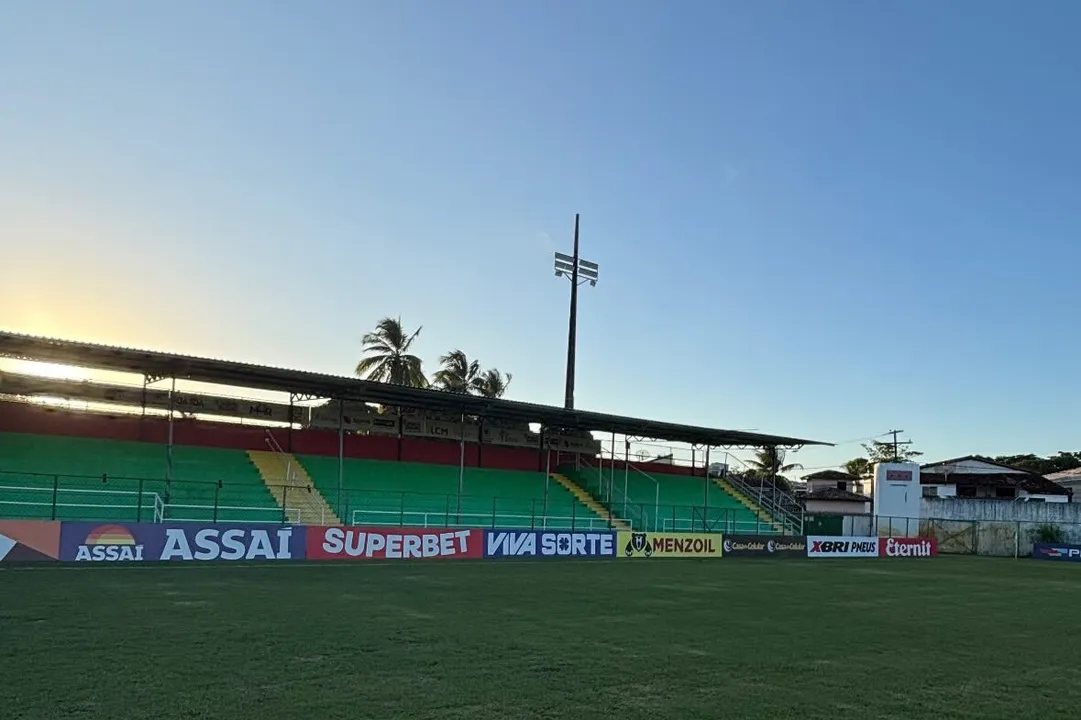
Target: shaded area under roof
(336, 387)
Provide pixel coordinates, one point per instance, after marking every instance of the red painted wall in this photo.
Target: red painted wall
(19, 417)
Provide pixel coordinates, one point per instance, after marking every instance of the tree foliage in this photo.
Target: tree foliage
(458, 373)
(1042, 465)
(387, 356)
(491, 383)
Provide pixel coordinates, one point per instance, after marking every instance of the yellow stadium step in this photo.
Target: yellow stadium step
(748, 503)
(590, 502)
(293, 488)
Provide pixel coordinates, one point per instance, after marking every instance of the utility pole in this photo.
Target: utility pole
(896, 444)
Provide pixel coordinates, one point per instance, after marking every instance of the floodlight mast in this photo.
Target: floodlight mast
(577, 271)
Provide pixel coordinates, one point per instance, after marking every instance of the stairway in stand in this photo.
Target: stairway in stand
(590, 502)
(293, 488)
(750, 505)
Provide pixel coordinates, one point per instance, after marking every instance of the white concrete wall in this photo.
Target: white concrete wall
(1001, 510)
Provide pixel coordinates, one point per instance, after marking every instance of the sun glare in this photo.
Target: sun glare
(49, 370)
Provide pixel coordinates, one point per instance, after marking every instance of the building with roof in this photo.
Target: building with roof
(973, 476)
(832, 492)
(1068, 479)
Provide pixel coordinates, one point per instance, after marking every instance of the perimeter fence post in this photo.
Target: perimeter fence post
(139, 506)
(285, 503)
(56, 489)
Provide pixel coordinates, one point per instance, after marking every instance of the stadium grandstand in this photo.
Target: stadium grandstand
(331, 449)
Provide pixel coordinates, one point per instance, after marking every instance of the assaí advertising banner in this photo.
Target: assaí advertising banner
(764, 546)
(908, 547)
(649, 544)
(820, 546)
(1060, 552)
(393, 543)
(549, 543)
(153, 542)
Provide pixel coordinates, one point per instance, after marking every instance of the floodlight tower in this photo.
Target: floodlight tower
(578, 271)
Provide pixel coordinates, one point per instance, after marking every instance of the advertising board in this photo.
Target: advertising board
(152, 542)
(393, 543)
(764, 546)
(29, 541)
(650, 544)
(907, 547)
(550, 543)
(1060, 552)
(821, 546)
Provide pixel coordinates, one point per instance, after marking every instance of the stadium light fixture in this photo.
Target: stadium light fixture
(578, 271)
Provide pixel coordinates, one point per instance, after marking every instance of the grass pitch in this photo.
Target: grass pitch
(747, 638)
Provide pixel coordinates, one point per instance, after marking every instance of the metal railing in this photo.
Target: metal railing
(778, 504)
(58, 503)
(417, 518)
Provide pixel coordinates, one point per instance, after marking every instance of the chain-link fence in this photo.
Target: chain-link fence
(997, 538)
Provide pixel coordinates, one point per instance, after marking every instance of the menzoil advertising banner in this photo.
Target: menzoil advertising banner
(650, 544)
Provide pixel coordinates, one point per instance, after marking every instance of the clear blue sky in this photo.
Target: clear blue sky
(824, 219)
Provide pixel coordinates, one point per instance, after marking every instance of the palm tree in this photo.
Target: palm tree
(458, 374)
(770, 463)
(387, 357)
(491, 383)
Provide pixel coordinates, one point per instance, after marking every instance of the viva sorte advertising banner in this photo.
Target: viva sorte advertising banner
(650, 544)
(155, 542)
(549, 543)
(765, 546)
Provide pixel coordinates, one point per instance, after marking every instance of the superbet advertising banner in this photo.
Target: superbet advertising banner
(907, 547)
(393, 543)
(824, 546)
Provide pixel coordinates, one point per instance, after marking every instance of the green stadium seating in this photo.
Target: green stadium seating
(379, 492)
(675, 503)
(122, 480)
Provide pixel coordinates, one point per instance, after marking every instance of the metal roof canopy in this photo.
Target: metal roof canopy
(336, 387)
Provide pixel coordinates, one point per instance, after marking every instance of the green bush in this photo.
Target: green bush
(1049, 533)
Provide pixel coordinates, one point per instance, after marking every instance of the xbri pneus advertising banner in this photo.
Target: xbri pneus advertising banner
(152, 542)
(764, 546)
(819, 546)
(550, 543)
(393, 543)
(649, 544)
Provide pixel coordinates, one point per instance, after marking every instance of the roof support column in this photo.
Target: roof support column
(169, 443)
(461, 466)
(705, 518)
(341, 457)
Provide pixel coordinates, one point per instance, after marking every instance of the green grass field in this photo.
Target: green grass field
(948, 637)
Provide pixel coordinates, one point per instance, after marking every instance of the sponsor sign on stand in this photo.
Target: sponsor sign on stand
(908, 547)
(1065, 553)
(393, 543)
(764, 546)
(550, 543)
(151, 542)
(649, 544)
(820, 546)
(29, 541)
